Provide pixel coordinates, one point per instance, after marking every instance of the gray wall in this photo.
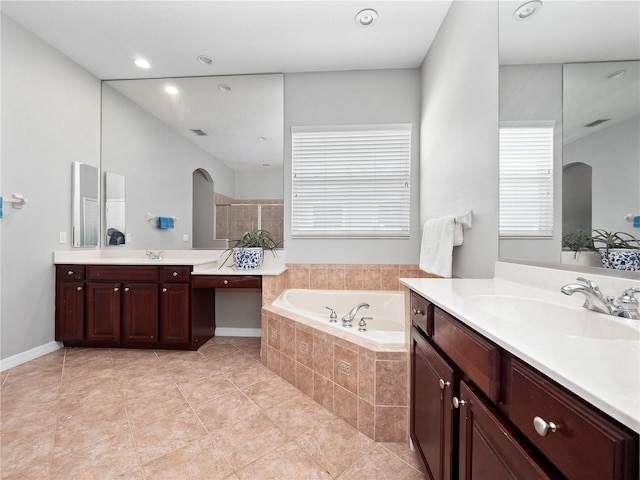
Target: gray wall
(352, 98)
(458, 135)
(50, 118)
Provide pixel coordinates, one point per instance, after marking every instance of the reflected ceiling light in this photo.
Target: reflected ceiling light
(616, 74)
(224, 87)
(262, 139)
(171, 90)
(266, 164)
(142, 63)
(205, 59)
(366, 17)
(527, 10)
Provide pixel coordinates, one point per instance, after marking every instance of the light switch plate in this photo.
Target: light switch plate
(63, 237)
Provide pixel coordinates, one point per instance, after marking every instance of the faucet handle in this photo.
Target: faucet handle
(590, 283)
(333, 317)
(627, 300)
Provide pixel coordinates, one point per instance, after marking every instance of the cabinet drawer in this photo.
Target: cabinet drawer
(478, 358)
(422, 313)
(175, 274)
(70, 272)
(117, 273)
(585, 444)
(231, 281)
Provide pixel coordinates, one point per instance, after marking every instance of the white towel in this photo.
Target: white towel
(439, 236)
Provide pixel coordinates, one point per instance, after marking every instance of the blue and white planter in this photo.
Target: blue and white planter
(248, 258)
(621, 259)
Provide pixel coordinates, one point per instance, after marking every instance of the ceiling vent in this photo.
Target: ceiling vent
(597, 122)
(200, 133)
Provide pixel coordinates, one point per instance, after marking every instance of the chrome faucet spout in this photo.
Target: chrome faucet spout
(593, 298)
(348, 318)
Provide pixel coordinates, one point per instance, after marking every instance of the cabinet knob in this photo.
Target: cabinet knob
(164, 290)
(78, 288)
(226, 282)
(417, 312)
(458, 403)
(542, 427)
(175, 274)
(70, 272)
(116, 289)
(126, 289)
(443, 384)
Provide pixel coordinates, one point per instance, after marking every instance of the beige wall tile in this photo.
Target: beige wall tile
(288, 337)
(323, 354)
(288, 369)
(304, 379)
(323, 389)
(304, 346)
(366, 375)
(391, 383)
(345, 368)
(366, 418)
(345, 405)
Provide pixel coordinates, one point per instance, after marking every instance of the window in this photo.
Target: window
(351, 181)
(526, 179)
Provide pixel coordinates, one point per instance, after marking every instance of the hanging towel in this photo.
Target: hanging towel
(439, 236)
(164, 222)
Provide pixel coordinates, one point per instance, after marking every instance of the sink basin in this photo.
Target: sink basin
(557, 318)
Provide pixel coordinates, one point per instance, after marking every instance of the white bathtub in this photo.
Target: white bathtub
(387, 328)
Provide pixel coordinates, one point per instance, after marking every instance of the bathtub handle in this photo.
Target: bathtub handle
(333, 318)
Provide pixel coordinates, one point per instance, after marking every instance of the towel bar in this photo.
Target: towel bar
(153, 217)
(464, 219)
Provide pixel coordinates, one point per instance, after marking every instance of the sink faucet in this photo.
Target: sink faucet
(625, 306)
(347, 320)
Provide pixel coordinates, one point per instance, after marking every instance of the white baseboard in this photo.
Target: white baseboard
(237, 332)
(32, 354)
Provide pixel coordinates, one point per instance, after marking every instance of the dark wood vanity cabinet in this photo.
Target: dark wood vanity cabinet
(130, 306)
(473, 408)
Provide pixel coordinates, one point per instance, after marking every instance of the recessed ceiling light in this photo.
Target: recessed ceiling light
(224, 87)
(171, 90)
(142, 63)
(616, 74)
(527, 10)
(366, 17)
(205, 59)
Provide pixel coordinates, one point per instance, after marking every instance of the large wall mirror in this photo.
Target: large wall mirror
(576, 65)
(206, 152)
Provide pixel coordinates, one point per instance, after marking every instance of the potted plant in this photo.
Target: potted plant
(618, 250)
(248, 252)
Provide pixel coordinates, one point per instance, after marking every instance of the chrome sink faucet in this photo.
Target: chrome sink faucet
(625, 306)
(347, 320)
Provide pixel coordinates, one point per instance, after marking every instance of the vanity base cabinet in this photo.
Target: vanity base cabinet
(432, 427)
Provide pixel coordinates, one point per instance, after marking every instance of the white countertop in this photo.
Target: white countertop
(604, 372)
(204, 262)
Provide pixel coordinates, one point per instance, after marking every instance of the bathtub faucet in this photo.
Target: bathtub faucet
(347, 320)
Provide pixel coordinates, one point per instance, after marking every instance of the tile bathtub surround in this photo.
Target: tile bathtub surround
(217, 413)
(366, 388)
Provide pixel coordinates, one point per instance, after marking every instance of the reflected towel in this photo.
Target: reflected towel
(164, 222)
(439, 236)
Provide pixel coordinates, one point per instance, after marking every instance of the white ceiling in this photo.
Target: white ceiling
(241, 36)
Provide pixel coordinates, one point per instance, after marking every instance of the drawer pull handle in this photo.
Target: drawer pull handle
(116, 289)
(226, 282)
(443, 384)
(164, 290)
(542, 427)
(126, 289)
(78, 288)
(417, 312)
(175, 274)
(70, 272)
(458, 403)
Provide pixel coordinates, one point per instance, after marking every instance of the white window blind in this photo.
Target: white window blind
(526, 179)
(351, 181)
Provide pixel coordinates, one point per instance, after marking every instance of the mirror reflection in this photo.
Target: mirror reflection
(114, 208)
(560, 65)
(194, 149)
(85, 205)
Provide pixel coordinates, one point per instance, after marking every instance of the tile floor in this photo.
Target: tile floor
(217, 413)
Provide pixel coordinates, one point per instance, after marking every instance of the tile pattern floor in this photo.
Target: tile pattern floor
(217, 413)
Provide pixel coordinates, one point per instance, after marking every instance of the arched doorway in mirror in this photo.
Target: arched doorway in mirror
(203, 210)
(576, 198)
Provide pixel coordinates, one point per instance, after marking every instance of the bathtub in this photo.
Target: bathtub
(387, 328)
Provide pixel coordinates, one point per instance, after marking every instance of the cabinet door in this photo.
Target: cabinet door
(174, 313)
(432, 425)
(140, 312)
(70, 311)
(488, 448)
(103, 312)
